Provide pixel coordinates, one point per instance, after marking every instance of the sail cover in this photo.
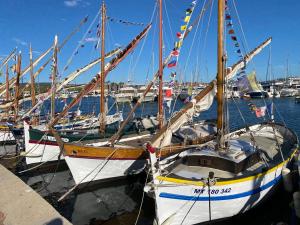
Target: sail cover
(203, 105)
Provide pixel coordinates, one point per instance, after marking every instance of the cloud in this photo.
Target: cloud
(91, 39)
(75, 3)
(71, 3)
(20, 42)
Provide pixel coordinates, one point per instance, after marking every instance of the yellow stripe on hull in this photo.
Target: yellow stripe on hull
(220, 183)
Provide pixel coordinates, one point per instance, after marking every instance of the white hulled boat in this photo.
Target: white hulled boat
(225, 176)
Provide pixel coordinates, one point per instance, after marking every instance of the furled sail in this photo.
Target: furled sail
(44, 96)
(185, 116)
(108, 67)
(163, 137)
(13, 80)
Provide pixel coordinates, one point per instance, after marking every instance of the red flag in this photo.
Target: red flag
(150, 148)
(179, 35)
(260, 111)
(168, 92)
(231, 31)
(175, 53)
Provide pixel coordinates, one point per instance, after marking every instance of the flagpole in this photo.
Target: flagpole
(160, 94)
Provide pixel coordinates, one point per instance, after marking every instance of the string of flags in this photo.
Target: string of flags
(233, 36)
(178, 44)
(180, 35)
(111, 19)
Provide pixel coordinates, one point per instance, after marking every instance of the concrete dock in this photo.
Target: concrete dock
(21, 205)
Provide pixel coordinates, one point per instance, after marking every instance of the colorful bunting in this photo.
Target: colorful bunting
(229, 24)
(175, 53)
(187, 19)
(228, 17)
(179, 35)
(124, 22)
(183, 28)
(172, 64)
(234, 38)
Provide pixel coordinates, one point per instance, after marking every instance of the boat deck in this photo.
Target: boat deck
(241, 158)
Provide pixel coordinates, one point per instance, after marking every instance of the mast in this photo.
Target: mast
(7, 84)
(33, 100)
(102, 80)
(220, 75)
(54, 73)
(160, 73)
(18, 70)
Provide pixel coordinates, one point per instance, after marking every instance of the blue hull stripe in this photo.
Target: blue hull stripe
(220, 198)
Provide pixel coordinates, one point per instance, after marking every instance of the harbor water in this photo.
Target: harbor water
(119, 202)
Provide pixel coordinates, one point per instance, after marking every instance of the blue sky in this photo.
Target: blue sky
(37, 21)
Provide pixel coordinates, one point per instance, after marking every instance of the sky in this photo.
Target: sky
(36, 22)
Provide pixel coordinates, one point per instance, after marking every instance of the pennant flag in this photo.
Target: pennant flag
(172, 64)
(179, 35)
(227, 17)
(231, 31)
(234, 38)
(173, 74)
(194, 3)
(187, 19)
(183, 28)
(178, 44)
(188, 11)
(238, 51)
(175, 53)
(229, 24)
(237, 45)
(260, 111)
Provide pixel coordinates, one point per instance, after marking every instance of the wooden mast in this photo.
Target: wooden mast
(33, 100)
(220, 75)
(18, 70)
(102, 80)
(7, 84)
(160, 73)
(54, 73)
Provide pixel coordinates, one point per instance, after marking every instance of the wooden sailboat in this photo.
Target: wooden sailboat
(41, 145)
(225, 176)
(98, 161)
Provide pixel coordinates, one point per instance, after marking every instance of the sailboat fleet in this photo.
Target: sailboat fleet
(200, 170)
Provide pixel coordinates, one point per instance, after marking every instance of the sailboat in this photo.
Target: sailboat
(44, 145)
(107, 159)
(225, 176)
